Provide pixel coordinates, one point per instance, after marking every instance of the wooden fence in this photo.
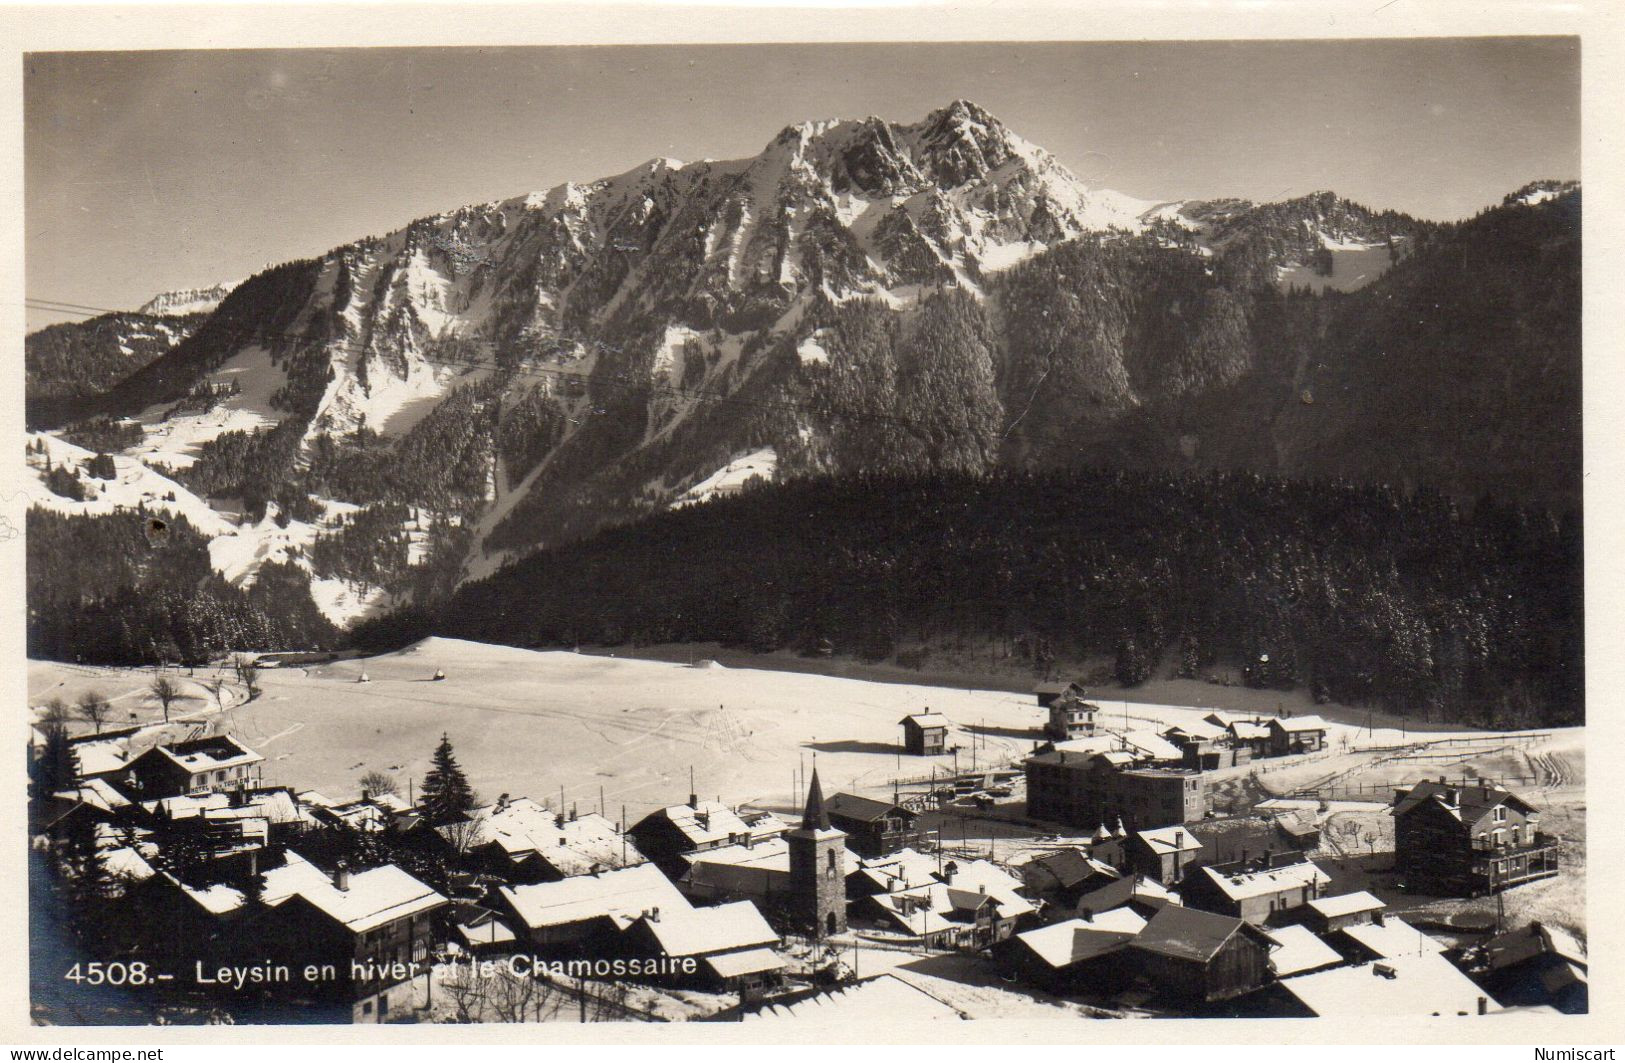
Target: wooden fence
(1384, 791)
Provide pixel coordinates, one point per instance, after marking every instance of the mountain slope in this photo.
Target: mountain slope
(861, 296)
(68, 363)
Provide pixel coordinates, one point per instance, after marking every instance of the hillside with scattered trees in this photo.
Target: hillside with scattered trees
(128, 588)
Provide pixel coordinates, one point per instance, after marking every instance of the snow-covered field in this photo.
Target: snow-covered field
(134, 485)
(527, 722)
(732, 476)
(1354, 265)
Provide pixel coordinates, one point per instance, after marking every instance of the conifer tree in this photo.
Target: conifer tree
(58, 765)
(89, 884)
(446, 793)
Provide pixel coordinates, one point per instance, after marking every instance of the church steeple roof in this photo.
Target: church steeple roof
(814, 816)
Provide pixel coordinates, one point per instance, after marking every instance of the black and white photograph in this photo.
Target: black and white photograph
(805, 535)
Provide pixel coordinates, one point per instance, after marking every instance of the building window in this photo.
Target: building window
(1500, 813)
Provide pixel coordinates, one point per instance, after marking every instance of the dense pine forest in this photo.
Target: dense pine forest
(1360, 594)
(128, 588)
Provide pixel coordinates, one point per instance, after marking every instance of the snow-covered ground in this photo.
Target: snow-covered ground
(526, 722)
(732, 476)
(236, 550)
(1354, 265)
(811, 350)
(134, 485)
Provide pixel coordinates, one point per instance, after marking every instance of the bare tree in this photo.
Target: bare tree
(167, 691)
(55, 711)
(499, 994)
(248, 674)
(467, 989)
(375, 783)
(93, 709)
(517, 998)
(463, 834)
(216, 686)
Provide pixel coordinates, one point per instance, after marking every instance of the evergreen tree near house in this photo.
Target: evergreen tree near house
(58, 766)
(253, 887)
(446, 793)
(88, 883)
(183, 853)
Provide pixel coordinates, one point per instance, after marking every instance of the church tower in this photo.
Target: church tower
(817, 869)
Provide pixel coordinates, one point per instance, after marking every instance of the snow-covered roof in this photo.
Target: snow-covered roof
(188, 806)
(1249, 731)
(1469, 804)
(356, 815)
(97, 792)
(1133, 889)
(862, 809)
(749, 961)
(1195, 729)
(216, 900)
(127, 863)
(973, 885)
(621, 895)
(210, 754)
(392, 802)
(100, 758)
(1187, 934)
(1346, 904)
(1296, 724)
(486, 932)
(1170, 840)
(712, 821)
(1392, 937)
(372, 898)
(1536, 939)
(925, 720)
(980, 875)
(885, 999)
(1152, 745)
(1424, 985)
(1099, 743)
(1071, 866)
(897, 870)
(1075, 940)
(523, 827)
(276, 806)
(1299, 950)
(1240, 885)
(741, 870)
(772, 854)
(700, 931)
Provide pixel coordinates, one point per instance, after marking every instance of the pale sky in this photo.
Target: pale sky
(148, 171)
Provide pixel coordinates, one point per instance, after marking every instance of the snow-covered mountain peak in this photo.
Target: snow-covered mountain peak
(183, 301)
